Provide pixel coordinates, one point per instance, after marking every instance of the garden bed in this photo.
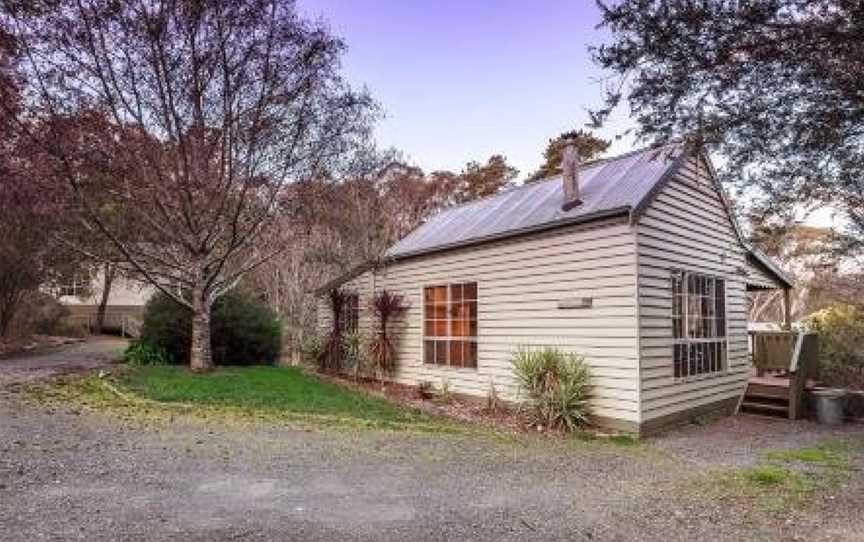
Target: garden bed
(474, 410)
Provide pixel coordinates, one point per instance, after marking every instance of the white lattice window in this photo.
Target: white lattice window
(698, 324)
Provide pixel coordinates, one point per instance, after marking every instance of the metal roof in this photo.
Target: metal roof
(758, 257)
(607, 187)
(621, 185)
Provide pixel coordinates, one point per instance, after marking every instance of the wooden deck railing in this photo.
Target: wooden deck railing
(790, 353)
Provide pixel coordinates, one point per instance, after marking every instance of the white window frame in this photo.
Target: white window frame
(685, 339)
(423, 337)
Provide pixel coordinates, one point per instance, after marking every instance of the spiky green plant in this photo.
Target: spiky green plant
(556, 384)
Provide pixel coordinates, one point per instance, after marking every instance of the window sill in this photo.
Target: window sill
(700, 378)
(449, 367)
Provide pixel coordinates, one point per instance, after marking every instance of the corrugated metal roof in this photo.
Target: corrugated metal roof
(607, 186)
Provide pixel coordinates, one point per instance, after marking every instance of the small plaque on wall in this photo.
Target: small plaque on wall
(576, 303)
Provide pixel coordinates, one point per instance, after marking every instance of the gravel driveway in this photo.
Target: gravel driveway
(94, 353)
(80, 475)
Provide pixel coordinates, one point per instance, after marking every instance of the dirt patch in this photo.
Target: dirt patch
(34, 345)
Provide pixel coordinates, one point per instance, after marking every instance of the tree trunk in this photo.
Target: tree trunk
(8, 307)
(201, 356)
(107, 280)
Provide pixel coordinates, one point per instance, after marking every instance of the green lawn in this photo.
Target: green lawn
(276, 390)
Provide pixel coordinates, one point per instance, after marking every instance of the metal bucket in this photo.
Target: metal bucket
(829, 405)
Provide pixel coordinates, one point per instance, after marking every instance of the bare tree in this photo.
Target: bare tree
(215, 107)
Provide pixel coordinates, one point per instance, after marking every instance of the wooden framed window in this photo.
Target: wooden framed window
(450, 325)
(351, 313)
(698, 324)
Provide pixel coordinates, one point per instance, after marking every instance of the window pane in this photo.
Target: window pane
(429, 328)
(429, 351)
(470, 290)
(439, 294)
(456, 293)
(440, 328)
(720, 299)
(471, 356)
(460, 311)
(441, 352)
(460, 328)
(456, 349)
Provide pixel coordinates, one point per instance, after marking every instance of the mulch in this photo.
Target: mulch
(470, 410)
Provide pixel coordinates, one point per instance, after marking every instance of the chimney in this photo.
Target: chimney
(570, 175)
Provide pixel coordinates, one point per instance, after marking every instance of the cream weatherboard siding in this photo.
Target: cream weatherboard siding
(520, 282)
(687, 227)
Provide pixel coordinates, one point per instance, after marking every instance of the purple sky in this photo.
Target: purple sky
(462, 80)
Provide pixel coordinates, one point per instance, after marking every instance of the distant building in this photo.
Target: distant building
(126, 300)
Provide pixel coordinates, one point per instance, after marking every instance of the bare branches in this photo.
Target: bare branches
(209, 111)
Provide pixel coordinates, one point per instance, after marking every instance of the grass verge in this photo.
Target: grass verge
(274, 394)
(787, 479)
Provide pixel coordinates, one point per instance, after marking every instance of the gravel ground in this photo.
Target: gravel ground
(95, 353)
(69, 474)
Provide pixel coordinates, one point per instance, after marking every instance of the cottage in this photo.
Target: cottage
(635, 262)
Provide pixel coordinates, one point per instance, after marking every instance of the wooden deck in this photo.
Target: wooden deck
(783, 364)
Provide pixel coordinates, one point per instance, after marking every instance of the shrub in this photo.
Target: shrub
(310, 349)
(141, 353)
(841, 334)
(243, 330)
(556, 385)
(385, 306)
(355, 359)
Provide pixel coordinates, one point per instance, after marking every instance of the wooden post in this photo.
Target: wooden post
(787, 308)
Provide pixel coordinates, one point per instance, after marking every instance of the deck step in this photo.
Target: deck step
(759, 407)
(760, 397)
(768, 392)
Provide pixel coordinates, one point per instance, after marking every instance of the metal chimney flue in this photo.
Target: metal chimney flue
(570, 175)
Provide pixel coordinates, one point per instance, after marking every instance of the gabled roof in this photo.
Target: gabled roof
(620, 186)
(608, 187)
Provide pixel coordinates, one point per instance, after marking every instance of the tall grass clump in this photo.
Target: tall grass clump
(556, 386)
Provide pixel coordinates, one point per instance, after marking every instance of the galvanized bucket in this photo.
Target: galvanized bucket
(829, 405)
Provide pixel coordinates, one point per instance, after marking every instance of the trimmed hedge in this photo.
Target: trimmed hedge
(243, 330)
